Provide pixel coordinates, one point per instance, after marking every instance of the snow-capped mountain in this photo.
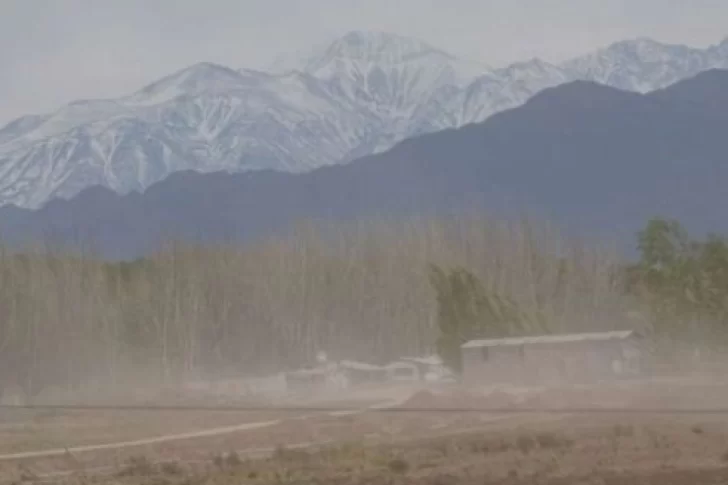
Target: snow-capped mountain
(392, 78)
(195, 120)
(504, 89)
(644, 65)
(358, 95)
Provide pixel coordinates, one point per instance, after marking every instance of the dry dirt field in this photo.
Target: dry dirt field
(38, 430)
(434, 438)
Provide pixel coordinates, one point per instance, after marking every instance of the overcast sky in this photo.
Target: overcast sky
(56, 51)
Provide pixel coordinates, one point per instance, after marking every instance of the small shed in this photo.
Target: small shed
(549, 358)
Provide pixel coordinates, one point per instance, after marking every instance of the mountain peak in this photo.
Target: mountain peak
(359, 46)
(721, 46)
(638, 43)
(359, 94)
(586, 154)
(199, 72)
(203, 76)
(640, 64)
(644, 49)
(380, 46)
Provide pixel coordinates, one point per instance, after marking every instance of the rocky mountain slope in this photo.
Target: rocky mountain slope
(593, 159)
(357, 96)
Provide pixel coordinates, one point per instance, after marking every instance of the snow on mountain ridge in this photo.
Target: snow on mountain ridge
(68, 118)
(364, 50)
(20, 126)
(201, 77)
(391, 77)
(503, 89)
(358, 95)
(643, 64)
(378, 47)
(282, 123)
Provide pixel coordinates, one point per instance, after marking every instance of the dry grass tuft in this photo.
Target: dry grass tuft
(398, 465)
(137, 466)
(624, 431)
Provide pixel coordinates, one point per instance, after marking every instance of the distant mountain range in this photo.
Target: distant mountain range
(357, 96)
(590, 157)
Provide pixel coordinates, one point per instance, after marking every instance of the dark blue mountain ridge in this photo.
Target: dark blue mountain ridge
(593, 159)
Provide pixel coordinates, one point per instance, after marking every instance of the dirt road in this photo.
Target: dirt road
(55, 463)
(630, 440)
(140, 442)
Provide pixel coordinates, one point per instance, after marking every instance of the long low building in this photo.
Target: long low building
(549, 358)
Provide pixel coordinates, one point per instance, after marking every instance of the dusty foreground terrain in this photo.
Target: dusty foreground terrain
(432, 437)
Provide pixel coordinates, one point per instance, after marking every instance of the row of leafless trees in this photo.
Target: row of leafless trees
(357, 291)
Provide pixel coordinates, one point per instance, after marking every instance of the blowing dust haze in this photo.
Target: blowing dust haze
(386, 243)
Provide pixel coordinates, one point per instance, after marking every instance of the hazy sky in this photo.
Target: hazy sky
(56, 51)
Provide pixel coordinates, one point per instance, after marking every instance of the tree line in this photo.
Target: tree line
(373, 290)
(676, 294)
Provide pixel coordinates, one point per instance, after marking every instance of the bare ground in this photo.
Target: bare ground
(439, 446)
(608, 450)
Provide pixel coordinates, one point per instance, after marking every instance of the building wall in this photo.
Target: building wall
(543, 363)
(500, 365)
